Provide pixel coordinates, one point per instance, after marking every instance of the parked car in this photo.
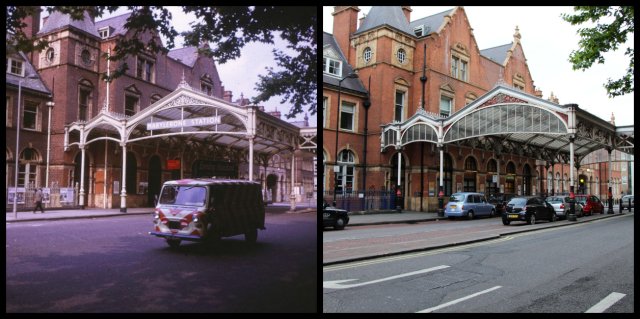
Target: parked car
(499, 201)
(625, 202)
(334, 217)
(529, 209)
(591, 204)
(468, 205)
(561, 204)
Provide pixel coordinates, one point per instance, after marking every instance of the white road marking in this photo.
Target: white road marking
(452, 302)
(607, 302)
(337, 284)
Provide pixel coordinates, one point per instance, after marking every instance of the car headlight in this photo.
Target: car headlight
(156, 215)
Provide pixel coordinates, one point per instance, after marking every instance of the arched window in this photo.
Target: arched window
(526, 180)
(470, 164)
(346, 161)
(549, 182)
(564, 183)
(510, 179)
(132, 172)
(492, 166)
(557, 182)
(85, 100)
(448, 174)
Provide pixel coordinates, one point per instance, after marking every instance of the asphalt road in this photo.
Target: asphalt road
(113, 265)
(578, 268)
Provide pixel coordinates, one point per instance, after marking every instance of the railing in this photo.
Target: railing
(54, 197)
(359, 201)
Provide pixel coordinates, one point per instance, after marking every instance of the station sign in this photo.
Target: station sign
(214, 120)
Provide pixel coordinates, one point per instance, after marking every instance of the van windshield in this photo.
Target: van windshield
(183, 195)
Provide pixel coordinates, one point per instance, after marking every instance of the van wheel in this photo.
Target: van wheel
(251, 236)
(173, 243)
(340, 223)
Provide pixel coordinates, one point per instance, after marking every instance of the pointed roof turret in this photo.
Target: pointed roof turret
(57, 21)
(393, 17)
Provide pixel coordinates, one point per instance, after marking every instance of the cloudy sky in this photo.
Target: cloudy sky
(547, 41)
(241, 74)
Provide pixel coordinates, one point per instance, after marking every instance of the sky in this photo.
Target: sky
(241, 74)
(547, 41)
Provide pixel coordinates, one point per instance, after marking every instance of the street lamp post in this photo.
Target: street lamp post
(17, 154)
(50, 104)
(335, 184)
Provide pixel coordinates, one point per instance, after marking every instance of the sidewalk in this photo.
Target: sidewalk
(431, 237)
(58, 214)
(76, 213)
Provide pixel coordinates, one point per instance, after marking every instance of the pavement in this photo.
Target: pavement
(356, 249)
(60, 214)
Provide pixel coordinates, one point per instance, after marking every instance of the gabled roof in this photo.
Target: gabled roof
(497, 54)
(431, 23)
(329, 42)
(117, 23)
(58, 20)
(187, 56)
(390, 16)
(27, 83)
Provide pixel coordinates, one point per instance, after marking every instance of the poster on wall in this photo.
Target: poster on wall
(46, 195)
(12, 194)
(142, 187)
(116, 187)
(66, 195)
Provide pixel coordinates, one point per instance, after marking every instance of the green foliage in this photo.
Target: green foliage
(603, 38)
(228, 28)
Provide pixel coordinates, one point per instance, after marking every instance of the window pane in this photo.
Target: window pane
(30, 115)
(130, 105)
(445, 106)
(463, 70)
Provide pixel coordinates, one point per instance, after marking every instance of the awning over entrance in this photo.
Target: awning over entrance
(192, 117)
(509, 120)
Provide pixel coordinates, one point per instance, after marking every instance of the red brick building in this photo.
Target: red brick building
(69, 74)
(387, 50)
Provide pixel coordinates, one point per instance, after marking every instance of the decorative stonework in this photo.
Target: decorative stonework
(183, 100)
(502, 98)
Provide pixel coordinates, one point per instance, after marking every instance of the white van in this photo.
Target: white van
(202, 209)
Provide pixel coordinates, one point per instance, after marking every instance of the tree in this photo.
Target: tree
(229, 28)
(603, 38)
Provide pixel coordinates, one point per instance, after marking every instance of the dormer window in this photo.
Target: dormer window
(419, 31)
(104, 32)
(332, 67)
(15, 67)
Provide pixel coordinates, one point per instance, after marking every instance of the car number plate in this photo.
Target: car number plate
(452, 207)
(513, 216)
(325, 215)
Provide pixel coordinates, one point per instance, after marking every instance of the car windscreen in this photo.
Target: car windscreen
(457, 198)
(183, 195)
(518, 202)
(554, 200)
(582, 200)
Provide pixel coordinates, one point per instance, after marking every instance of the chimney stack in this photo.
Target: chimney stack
(228, 96)
(345, 21)
(407, 12)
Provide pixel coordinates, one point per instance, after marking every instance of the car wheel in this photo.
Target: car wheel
(340, 223)
(531, 220)
(553, 218)
(493, 213)
(470, 215)
(506, 222)
(173, 243)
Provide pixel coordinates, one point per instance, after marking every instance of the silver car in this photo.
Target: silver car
(561, 206)
(468, 205)
(625, 202)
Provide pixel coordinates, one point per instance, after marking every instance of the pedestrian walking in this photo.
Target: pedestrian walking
(38, 199)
